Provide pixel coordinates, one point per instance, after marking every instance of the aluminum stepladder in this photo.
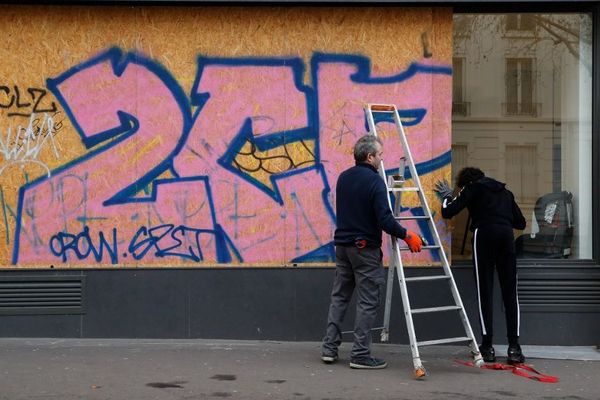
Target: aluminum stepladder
(395, 186)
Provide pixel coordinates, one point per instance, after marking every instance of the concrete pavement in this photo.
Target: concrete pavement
(68, 369)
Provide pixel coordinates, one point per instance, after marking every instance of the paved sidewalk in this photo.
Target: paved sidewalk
(68, 369)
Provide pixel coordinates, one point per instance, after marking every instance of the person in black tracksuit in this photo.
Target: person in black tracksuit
(362, 212)
(494, 214)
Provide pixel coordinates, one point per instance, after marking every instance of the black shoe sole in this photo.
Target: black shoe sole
(329, 359)
(362, 366)
(515, 362)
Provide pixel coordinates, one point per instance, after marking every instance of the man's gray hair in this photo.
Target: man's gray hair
(364, 146)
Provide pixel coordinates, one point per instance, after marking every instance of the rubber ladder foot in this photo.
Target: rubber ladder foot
(420, 372)
(477, 359)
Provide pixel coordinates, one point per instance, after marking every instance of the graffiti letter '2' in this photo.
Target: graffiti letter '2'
(141, 111)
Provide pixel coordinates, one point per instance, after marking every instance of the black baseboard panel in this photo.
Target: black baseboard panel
(287, 304)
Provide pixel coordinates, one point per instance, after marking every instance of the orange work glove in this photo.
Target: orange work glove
(413, 241)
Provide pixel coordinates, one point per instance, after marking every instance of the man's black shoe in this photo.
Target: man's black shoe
(487, 353)
(367, 363)
(515, 355)
(329, 358)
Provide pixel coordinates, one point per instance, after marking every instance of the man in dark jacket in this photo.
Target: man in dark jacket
(362, 212)
(494, 213)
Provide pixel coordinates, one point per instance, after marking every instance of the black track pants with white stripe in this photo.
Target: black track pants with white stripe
(493, 246)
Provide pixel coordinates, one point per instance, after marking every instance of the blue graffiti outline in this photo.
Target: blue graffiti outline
(269, 141)
(295, 63)
(425, 167)
(221, 237)
(263, 142)
(363, 76)
(408, 117)
(324, 253)
(128, 126)
(320, 170)
(426, 231)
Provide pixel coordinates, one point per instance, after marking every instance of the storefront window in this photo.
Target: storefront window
(522, 113)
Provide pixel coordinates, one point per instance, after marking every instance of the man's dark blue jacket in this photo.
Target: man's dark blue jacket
(362, 208)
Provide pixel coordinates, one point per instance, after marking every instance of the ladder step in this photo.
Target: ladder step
(434, 309)
(407, 189)
(382, 107)
(443, 341)
(426, 278)
(422, 248)
(414, 217)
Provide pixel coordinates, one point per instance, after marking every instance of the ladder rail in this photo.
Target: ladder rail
(454, 289)
(385, 333)
(397, 264)
(390, 280)
(410, 325)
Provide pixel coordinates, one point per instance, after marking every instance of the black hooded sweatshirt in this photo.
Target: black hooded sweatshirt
(488, 202)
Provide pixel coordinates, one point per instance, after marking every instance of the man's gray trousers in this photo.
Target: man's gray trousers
(360, 268)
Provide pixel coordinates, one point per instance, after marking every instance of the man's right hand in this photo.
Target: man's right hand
(413, 241)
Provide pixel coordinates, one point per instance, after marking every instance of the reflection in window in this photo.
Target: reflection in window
(459, 105)
(528, 123)
(519, 87)
(521, 172)
(460, 156)
(520, 22)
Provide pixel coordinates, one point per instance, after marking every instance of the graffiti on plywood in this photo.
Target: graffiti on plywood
(241, 169)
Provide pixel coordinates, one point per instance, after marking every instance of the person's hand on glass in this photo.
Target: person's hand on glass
(443, 189)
